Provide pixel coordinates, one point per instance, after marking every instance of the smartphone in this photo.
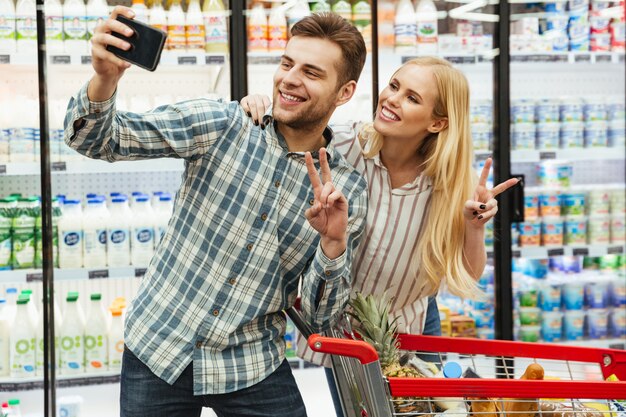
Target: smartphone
(146, 44)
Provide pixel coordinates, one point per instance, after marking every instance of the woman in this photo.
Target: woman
(427, 214)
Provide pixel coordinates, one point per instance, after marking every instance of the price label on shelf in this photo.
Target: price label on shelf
(85, 59)
(582, 58)
(3, 169)
(34, 277)
(139, 272)
(556, 252)
(5, 59)
(61, 59)
(615, 250)
(58, 166)
(214, 60)
(460, 59)
(604, 58)
(516, 254)
(187, 60)
(580, 252)
(547, 155)
(98, 273)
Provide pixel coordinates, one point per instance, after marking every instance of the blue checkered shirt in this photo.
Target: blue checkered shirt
(237, 244)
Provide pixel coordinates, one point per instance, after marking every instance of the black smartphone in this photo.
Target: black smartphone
(146, 44)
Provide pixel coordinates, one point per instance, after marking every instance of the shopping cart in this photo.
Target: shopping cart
(574, 385)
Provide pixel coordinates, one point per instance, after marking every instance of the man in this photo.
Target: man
(206, 328)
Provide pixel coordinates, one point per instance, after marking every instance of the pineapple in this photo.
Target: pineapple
(372, 323)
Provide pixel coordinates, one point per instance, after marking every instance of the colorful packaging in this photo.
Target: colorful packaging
(597, 294)
(596, 134)
(571, 109)
(551, 326)
(550, 297)
(572, 135)
(548, 135)
(530, 233)
(547, 111)
(618, 229)
(531, 204)
(599, 230)
(618, 322)
(552, 231)
(573, 324)
(529, 333)
(616, 133)
(529, 316)
(549, 203)
(575, 230)
(598, 202)
(618, 201)
(598, 323)
(522, 111)
(523, 136)
(573, 204)
(554, 173)
(573, 295)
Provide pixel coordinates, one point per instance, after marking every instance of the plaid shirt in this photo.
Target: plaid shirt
(237, 244)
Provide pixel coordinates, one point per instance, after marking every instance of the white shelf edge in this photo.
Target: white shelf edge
(582, 154)
(36, 275)
(543, 252)
(94, 166)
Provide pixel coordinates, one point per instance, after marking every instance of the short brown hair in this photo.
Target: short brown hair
(338, 30)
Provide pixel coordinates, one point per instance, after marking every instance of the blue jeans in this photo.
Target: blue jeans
(432, 327)
(143, 394)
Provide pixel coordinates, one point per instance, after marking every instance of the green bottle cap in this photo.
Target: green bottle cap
(96, 296)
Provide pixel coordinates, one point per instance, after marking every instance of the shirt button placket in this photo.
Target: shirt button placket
(198, 344)
(216, 312)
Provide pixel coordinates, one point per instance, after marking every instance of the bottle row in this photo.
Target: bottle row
(85, 343)
(105, 232)
(570, 230)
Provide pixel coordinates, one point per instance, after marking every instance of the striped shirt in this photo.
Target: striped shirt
(237, 244)
(384, 258)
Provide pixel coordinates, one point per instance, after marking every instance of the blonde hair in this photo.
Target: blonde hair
(448, 158)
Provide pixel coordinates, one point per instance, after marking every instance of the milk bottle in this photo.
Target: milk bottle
(96, 337)
(141, 11)
(343, 9)
(215, 29)
(39, 356)
(71, 235)
(118, 232)
(26, 26)
(72, 351)
(97, 12)
(405, 27)
(158, 18)
(116, 340)
(11, 305)
(22, 351)
(142, 232)
(95, 233)
(75, 26)
(194, 27)
(24, 232)
(320, 6)
(257, 29)
(277, 30)
(426, 19)
(7, 26)
(299, 11)
(176, 39)
(54, 26)
(362, 20)
(162, 217)
(5, 342)
(7, 208)
(32, 308)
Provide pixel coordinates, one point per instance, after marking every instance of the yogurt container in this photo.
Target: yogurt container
(548, 135)
(575, 230)
(549, 203)
(600, 41)
(594, 110)
(515, 234)
(616, 133)
(552, 231)
(481, 136)
(618, 322)
(529, 316)
(618, 201)
(486, 333)
(598, 202)
(571, 109)
(547, 111)
(552, 326)
(482, 318)
(573, 324)
(555, 174)
(618, 292)
(528, 298)
(523, 136)
(572, 135)
(522, 111)
(598, 323)
(530, 233)
(531, 204)
(618, 229)
(596, 134)
(615, 108)
(597, 294)
(550, 297)
(529, 333)
(573, 295)
(599, 230)
(481, 111)
(573, 204)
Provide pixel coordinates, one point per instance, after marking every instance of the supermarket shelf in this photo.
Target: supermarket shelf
(583, 154)
(168, 58)
(93, 166)
(524, 57)
(619, 343)
(63, 381)
(543, 252)
(36, 275)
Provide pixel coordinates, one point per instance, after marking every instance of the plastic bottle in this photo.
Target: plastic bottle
(320, 6)
(71, 235)
(194, 27)
(257, 29)
(22, 353)
(343, 9)
(54, 26)
(75, 26)
(7, 206)
(162, 217)
(14, 407)
(24, 232)
(95, 233)
(116, 340)
(141, 11)
(33, 312)
(7, 26)
(299, 11)
(405, 27)
(142, 232)
(277, 28)
(39, 354)
(426, 19)
(11, 306)
(96, 337)
(362, 20)
(386, 17)
(176, 39)
(158, 17)
(215, 27)
(5, 340)
(72, 351)
(26, 26)
(97, 12)
(118, 233)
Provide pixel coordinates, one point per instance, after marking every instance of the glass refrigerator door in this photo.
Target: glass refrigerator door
(567, 138)
(464, 37)
(21, 290)
(108, 218)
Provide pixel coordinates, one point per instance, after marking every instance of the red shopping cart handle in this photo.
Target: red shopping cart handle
(358, 349)
(612, 361)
